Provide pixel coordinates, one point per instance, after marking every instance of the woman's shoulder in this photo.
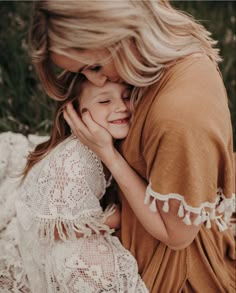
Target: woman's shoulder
(197, 62)
(192, 93)
(191, 73)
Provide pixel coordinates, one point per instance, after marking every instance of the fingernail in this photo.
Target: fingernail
(84, 110)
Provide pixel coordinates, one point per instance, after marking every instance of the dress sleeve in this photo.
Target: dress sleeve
(62, 193)
(191, 164)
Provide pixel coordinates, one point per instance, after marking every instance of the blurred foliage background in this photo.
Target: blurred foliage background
(25, 107)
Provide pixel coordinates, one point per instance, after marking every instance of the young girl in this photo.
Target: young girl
(64, 235)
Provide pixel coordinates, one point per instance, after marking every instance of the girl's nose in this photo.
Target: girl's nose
(121, 106)
(97, 78)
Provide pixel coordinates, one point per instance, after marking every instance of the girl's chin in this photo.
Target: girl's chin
(119, 136)
(118, 133)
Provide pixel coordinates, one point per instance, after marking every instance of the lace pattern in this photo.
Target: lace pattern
(62, 192)
(98, 264)
(52, 270)
(14, 149)
(65, 193)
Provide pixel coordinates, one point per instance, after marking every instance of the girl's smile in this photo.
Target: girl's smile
(109, 106)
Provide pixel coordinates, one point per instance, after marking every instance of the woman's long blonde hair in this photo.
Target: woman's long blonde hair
(152, 30)
(159, 33)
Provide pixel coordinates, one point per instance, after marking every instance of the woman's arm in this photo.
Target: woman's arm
(168, 228)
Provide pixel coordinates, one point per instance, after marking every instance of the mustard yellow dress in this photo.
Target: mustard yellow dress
(181, 143)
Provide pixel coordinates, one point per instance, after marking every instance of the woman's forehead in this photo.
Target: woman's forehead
(73, 60)
(66, 62)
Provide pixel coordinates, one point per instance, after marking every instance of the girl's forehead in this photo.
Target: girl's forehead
(90, 91)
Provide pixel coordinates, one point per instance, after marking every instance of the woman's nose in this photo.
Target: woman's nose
(97, 78)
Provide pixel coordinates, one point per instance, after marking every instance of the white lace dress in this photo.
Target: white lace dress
(14, 149)
(62, 193)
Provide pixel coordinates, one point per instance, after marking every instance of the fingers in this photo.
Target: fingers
(71, 115)
(81, 125)
(86, 129)
(89, 122)
(73, 119)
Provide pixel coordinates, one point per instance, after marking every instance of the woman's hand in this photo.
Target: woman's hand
(91, 134)
(113, 221)
(169, 229)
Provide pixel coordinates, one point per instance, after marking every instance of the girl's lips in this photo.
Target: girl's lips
(121, 121)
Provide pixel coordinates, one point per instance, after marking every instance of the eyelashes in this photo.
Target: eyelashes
(95, 68)
(104, 102)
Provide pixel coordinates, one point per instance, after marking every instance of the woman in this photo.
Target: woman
(178, 194)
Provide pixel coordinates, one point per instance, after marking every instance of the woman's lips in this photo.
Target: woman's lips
(115, 79)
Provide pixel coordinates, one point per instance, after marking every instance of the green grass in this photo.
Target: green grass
(24, 106)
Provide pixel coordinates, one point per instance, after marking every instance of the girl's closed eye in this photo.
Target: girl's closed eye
(104, 102)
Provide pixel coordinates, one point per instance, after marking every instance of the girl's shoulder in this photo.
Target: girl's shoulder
(71, 145)
(69, 158)
(69, 150)
(70, 161)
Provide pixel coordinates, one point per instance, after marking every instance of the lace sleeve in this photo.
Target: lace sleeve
(62, 193)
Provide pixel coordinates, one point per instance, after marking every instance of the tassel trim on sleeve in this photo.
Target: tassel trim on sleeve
(219, 211)
(66, 228)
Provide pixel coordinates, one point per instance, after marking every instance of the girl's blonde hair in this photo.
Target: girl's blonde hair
(144, 37)
(61, 129)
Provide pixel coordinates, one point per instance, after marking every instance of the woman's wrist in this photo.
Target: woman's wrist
(112, 160)
(109, 156)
